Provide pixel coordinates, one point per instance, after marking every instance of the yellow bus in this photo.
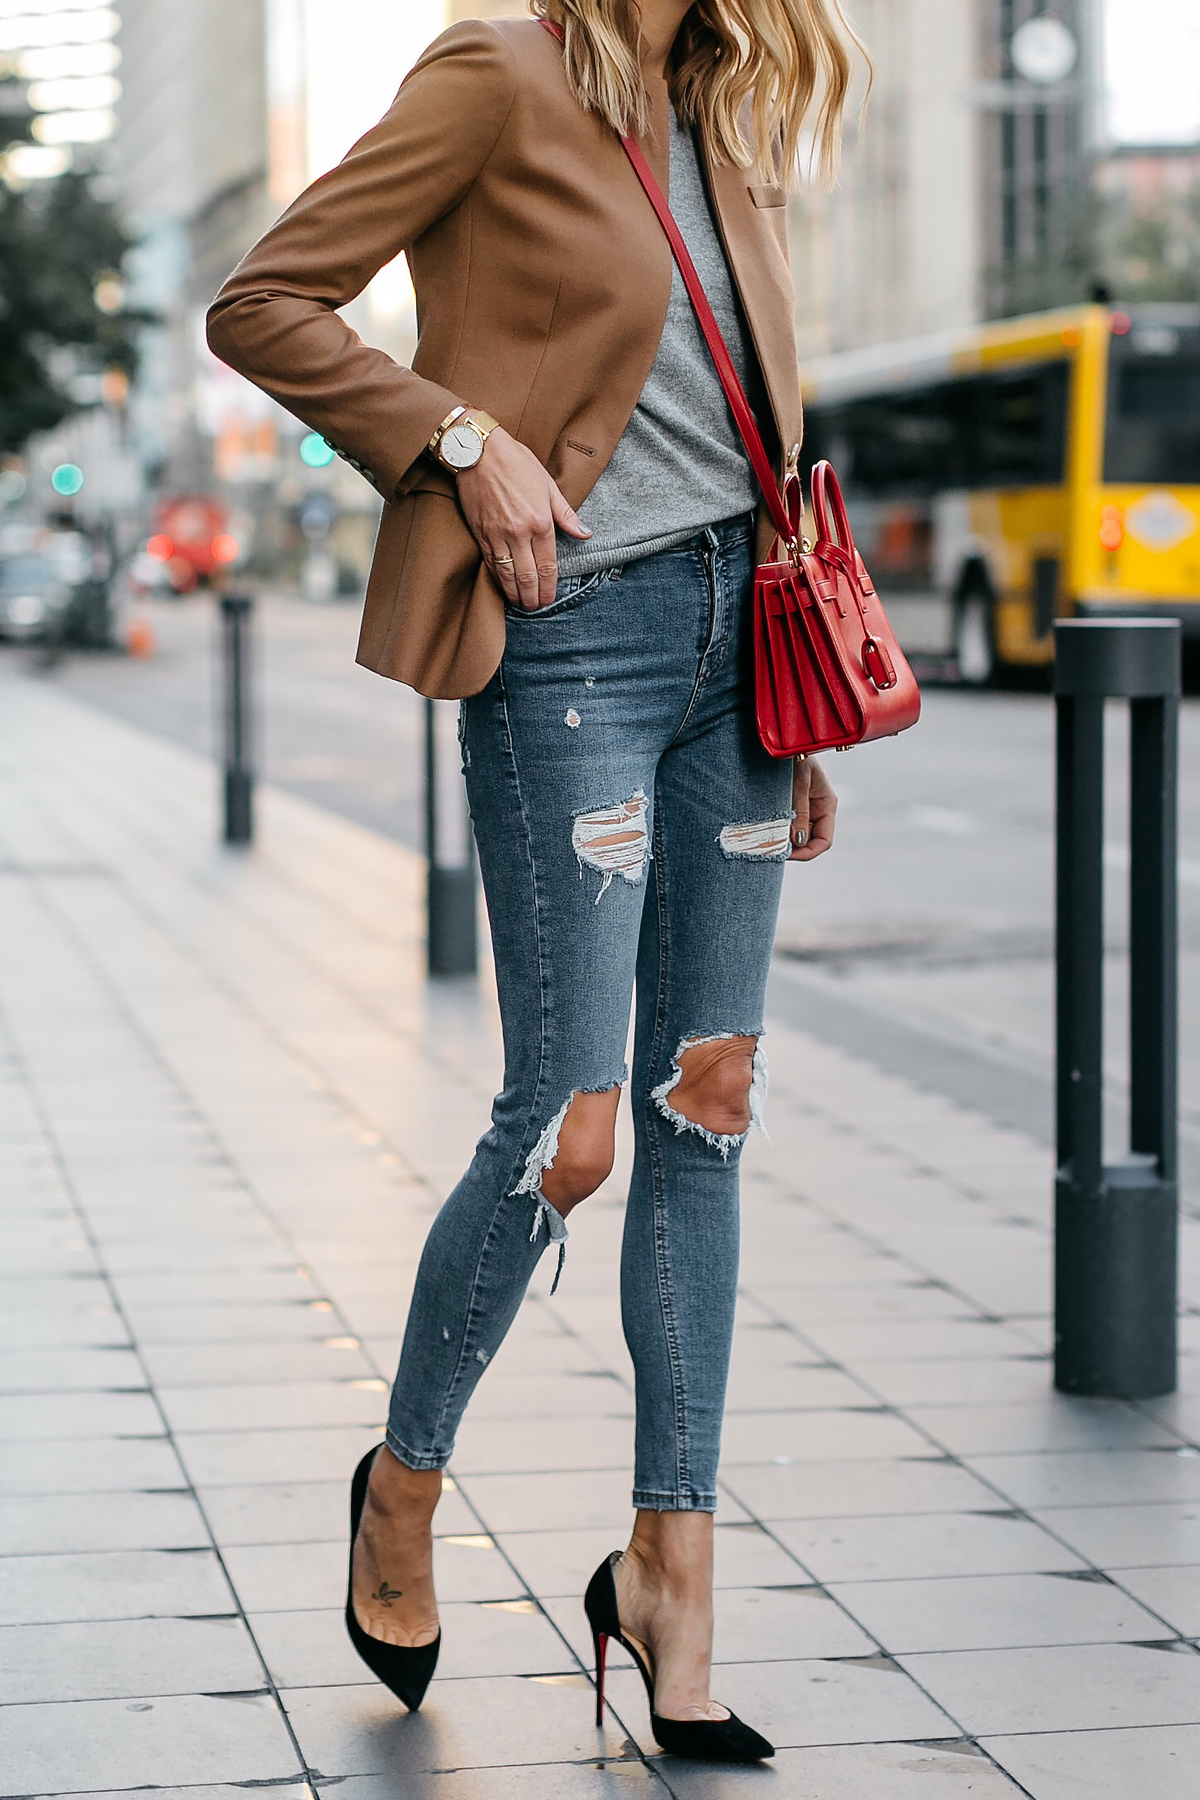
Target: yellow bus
(1021, 472)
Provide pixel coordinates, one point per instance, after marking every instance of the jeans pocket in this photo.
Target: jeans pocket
(571, 593)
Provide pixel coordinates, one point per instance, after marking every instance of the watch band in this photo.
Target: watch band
(450, 419)
(480, 421)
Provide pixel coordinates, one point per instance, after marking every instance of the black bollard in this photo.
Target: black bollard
(1116, 1224)
(236, 613)
(450, 892)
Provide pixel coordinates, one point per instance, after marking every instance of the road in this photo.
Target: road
(924, 942)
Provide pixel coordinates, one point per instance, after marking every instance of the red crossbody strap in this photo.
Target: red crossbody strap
(735, 393)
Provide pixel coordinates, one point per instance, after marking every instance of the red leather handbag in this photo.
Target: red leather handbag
(828, 672)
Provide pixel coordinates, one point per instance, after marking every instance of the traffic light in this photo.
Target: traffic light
(67, 480)
(315, 452)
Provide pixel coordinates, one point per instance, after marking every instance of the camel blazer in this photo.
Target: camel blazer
(542, 280)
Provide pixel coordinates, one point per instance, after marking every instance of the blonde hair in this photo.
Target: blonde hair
(751, 72)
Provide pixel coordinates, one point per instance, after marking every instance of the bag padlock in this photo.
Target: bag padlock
(878, 665)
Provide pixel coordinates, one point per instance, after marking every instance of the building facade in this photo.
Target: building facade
(59, 84)
(1038, 144)
(892, 251)
(191, 168)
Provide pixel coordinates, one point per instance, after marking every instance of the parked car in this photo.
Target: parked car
(85, 564)
(191, 543)
(34, 597)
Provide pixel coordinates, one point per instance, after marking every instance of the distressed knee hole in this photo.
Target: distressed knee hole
(613, 841)
(713, 1090)
(768, 841)
(717, 1089)
(571, 1159)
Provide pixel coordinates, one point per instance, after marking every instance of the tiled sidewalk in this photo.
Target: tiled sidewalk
(228, 1109)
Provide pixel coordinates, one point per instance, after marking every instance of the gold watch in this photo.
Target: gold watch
(459, 441)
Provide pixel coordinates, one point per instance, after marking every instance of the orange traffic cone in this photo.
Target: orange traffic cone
(139, 639)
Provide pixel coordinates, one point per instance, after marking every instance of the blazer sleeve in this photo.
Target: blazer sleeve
(276, 320)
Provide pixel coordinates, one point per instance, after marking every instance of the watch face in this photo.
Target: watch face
(461, 447)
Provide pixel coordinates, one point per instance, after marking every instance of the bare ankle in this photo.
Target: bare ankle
(396, 1489)
(673, 1551)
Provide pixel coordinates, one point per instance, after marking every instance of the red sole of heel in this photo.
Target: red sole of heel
(601, 1656)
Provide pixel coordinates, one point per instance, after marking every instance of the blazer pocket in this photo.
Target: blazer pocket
(768, 196)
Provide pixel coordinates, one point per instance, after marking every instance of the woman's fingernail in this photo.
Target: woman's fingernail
(801, 839)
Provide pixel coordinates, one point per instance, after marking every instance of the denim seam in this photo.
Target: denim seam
(540, 1083)
(661, 1260)
(653, 1500)
(472, 1312)
(718, 643)
(708, 574)
(589, 586)
(410, 1458)
(472, 1315)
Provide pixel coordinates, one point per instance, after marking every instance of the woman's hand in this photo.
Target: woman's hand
(815, 806)
(512, 507)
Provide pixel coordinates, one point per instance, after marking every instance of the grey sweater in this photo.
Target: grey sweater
(680, 464)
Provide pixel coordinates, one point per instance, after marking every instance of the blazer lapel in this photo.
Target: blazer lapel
(765, 289)
(656, 144)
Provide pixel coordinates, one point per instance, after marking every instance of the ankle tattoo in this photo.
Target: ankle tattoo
(386, 1595)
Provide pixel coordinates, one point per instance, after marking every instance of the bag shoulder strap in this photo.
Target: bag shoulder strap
(735, 393)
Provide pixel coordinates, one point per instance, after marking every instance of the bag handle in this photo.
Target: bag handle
(829, 506)
(827, 499)
(735, 393)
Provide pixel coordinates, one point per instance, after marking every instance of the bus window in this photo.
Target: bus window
(1020, 434)
(1153, 427)
(904, 443)
(1002, 428)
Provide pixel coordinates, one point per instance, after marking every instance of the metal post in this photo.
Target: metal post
(1116, 1224)
(450, 892)
(236, 613)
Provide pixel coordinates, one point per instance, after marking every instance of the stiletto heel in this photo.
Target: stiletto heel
(406, 1671)
(708, 1740)
(599, 1651)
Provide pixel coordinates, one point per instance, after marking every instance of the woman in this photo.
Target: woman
(568, 538)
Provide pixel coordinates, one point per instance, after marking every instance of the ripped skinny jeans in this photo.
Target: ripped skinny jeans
(631, 830)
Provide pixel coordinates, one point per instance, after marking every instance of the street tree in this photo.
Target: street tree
(1154, 252)
(62, 316)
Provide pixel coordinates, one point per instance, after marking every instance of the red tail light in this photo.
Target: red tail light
(1112, 528)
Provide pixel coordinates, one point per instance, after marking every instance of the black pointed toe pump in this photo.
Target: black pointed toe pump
(708, 1740)
(407, 1672)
